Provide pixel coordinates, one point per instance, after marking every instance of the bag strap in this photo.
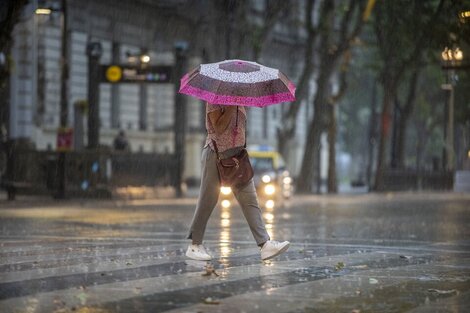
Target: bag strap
(215, 147)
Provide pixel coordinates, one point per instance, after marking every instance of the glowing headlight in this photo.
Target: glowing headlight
(266, 179)
(269, 189)
(225, 190)
(225, 204)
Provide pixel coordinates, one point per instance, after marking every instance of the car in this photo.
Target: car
(272, 180)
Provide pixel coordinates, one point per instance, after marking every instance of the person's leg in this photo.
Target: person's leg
(248, 200)
(208, 196)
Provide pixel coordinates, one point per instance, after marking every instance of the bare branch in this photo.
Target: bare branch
(308, 62)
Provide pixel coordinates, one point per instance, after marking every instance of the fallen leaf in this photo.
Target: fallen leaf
(209, 300)
(82, 297)
(210, 270)
(339, 266)
(373, 281)
(444, 292)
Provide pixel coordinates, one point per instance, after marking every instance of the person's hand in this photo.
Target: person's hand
(220, 119)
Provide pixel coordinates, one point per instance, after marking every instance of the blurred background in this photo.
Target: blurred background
(89, 104)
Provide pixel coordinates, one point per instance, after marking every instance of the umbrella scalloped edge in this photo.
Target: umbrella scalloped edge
(237, 100)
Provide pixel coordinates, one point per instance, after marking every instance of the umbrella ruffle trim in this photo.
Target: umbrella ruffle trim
(238, 100)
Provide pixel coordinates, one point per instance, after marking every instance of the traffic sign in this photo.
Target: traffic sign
(64, 139)
(115, 73)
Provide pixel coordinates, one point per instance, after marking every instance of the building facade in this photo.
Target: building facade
(127, 29)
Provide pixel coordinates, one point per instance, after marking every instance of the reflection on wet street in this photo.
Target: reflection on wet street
(360, 253)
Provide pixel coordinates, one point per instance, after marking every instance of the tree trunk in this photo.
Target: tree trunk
(332, 131)
(372, 135)
(395, 130)
(287, 131)
(404, 117)
(309, 161)
(308, 168)
(389, 93)
(283, 138)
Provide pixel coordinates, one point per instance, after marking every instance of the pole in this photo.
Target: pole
(94, 52)
(179, 115)
(63, 101)
(450, 126)
(230, 8)
(372, 135)
(448, 153)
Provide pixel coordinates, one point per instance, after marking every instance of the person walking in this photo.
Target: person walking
(120, 142)
(226, 126)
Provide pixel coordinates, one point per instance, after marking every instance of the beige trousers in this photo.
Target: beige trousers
(209, 195)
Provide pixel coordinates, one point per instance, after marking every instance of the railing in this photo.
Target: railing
(402, 180)
(88, 173)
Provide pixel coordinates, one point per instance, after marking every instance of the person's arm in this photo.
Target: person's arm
(220, 119)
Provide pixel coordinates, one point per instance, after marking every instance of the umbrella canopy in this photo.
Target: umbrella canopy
(238, 82)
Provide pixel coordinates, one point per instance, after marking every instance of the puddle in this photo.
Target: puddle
(394, 299)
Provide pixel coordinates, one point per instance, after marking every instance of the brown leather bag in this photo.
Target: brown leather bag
(235, 171)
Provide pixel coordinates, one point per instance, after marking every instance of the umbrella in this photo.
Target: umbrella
(238, 82)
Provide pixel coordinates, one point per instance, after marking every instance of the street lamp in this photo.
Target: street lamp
(464, 16)
(141, 58)
(145, 58)
(450, 57)
(43, 11)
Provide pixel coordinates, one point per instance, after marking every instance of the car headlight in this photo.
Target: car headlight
(269, 189)
(225, 190)
(266, 179)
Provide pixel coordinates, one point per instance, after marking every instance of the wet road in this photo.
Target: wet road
(362, 253)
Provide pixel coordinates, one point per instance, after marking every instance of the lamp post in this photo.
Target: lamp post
(181, 49)
(64, 112)
(94, 51)
(451, 57)
(142, 60)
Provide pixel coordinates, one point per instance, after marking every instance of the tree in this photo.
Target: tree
(333, 44)
(287, 131)
(402, 33)
(10, 12)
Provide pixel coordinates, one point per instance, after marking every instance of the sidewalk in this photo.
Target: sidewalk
(348, 253)
(167, 196)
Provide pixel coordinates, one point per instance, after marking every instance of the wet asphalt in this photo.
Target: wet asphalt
(389, 252)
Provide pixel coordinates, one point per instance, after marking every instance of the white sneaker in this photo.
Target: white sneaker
(198, 252)
(273, 248)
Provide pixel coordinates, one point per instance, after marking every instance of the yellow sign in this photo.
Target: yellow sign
(113, 73)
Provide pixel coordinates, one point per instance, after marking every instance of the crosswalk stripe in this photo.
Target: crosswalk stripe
(314, 293)
(103, 263)
(99, 294)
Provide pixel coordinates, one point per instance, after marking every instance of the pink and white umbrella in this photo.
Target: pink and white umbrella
(238, 82)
